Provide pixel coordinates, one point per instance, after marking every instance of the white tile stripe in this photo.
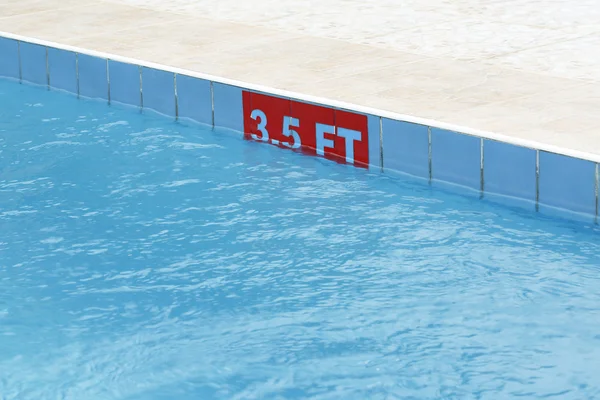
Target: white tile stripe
(318, 100)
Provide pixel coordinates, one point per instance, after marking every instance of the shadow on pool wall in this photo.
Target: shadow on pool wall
(527, 177)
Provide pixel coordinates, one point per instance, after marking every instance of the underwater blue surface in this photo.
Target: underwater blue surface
(142, 258)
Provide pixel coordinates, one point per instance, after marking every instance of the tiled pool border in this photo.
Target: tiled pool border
(517, 171)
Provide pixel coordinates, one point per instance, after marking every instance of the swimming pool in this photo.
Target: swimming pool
(147, 259)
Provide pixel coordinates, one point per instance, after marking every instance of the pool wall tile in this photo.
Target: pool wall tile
(406, 147)
(62, 67)
(124, 83)
(560, 182)
(374, 142)
(93, 78)
(509, 170)
(158, 90)
(33, 63)
(568, 183)
(194, 99)
(9, 58)
(456, 158)
(514, 203)
(227, 102)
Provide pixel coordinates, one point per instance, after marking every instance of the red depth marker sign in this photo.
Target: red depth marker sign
(338, 135)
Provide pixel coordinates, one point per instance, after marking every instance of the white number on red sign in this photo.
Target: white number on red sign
(336, 134)
(288, 124)
(350, 136)
(261, 120)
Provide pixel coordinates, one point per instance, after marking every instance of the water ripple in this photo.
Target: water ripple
(148, 263)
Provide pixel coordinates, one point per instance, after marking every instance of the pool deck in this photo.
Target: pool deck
(525, 70)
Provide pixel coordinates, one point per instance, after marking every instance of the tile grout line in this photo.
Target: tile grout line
(19, 56)
(141, 88)
(537, 180)
(176, 97)
(212, 103)
(429, 154)
(481, 171)
(47, 70)
(108, 80)
(597, 184)
(77, 73)
(381, 144)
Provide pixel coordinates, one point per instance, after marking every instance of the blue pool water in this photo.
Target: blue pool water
(144, 259)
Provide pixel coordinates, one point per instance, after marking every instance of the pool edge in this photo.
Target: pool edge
(460, 155)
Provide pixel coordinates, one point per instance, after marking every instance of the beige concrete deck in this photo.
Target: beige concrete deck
(525, 70)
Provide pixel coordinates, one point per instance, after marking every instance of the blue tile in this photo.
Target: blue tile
(93, 78)
(62, 66)
(406, 148)
(374, 145)
(33, 63)
(9, 58)
(193, 99)
(158, 89)
(509, 170)
(568, 183)
(456, 158)
(228, 107)
(124, 83)
(514, 203)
